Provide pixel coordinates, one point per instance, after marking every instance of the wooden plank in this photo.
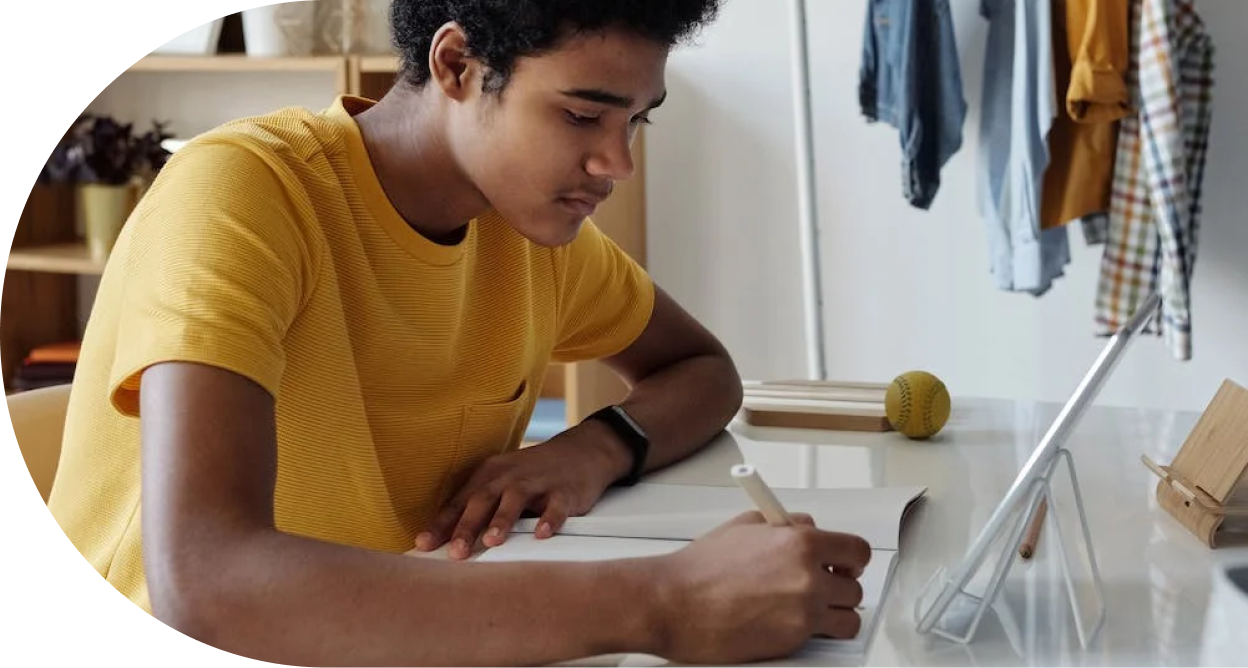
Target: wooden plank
(553, 383)
(68, 258)
(840, 406)
(822, 384)
(374, 85)
(371, 77)
(805, 419)
(237, 63)
(353, 77)
(817, 394)
(342, 76)
(378, 64)
(817, 405)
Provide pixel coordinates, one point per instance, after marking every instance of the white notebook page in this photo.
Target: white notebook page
(875, 579)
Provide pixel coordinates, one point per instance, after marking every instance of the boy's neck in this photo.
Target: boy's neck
(406, 143)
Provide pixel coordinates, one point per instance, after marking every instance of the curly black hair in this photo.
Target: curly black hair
(500, 31)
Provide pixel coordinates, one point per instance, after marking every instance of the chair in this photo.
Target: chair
(39, 421)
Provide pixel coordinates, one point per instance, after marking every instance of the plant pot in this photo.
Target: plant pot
(103, 210)
(283, 29)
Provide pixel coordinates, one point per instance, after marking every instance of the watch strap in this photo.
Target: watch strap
(633, 437)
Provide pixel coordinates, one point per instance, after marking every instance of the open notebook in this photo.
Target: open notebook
(650, 519)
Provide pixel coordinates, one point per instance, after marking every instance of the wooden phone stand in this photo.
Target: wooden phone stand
(1196, 486)
(809, 404)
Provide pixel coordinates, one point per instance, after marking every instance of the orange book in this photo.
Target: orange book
(63, 352)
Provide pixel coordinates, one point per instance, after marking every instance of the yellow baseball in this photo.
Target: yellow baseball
(917, 404)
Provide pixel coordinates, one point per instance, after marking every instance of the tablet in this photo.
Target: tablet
(1021, 494)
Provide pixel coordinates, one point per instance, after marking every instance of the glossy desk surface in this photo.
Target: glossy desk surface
(1156, 575)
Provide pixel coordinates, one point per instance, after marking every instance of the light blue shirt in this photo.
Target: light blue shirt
(1018, 109)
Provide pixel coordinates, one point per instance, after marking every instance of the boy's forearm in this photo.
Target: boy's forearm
(684, 406)
(293, 600)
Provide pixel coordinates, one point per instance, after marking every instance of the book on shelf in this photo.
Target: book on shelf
(47, 365)
(62, 352)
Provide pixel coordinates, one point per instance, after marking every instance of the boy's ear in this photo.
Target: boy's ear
(451, 68)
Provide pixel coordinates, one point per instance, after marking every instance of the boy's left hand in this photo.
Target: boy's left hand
(560, 478)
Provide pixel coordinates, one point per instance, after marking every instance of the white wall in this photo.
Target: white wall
(723, 233)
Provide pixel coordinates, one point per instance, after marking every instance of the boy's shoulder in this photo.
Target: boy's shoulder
(291, 135)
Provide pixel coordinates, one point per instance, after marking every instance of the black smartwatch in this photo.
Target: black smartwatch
(633, 436)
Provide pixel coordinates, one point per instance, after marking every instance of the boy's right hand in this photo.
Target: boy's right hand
(748, 591)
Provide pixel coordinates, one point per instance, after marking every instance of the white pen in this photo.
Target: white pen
(748, 479)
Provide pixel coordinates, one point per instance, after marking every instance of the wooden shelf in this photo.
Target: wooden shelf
(380, 64)
(237, 63)
(56, 259)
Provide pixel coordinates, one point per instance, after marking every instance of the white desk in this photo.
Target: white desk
(1156, 575)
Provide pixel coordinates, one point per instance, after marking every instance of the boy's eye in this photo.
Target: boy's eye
(644, 120)
(578, 119)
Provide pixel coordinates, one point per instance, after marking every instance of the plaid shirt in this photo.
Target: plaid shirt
(1155, 204)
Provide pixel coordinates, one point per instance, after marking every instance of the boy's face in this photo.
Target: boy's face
(548, 148)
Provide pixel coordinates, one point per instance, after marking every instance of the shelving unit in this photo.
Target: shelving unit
(41, 286)
(371, 76)
(364, 75)
(66, 258)
(237, 63)
(378, 64)
(40, 301)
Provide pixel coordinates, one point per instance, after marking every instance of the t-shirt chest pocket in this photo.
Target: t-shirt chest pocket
(426, 456)
(486, 429)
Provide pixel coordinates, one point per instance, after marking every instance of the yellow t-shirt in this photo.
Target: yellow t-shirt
(267, 247)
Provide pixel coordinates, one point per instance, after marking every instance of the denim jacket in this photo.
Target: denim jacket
(911, 79)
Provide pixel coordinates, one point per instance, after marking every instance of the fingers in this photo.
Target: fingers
(755, 517)
(839, 623)
(841, 591)
(553, 516)
(749, 517)
(481, 507)
(841, 552)
(509, 510)
(486, 516)
(440, 528)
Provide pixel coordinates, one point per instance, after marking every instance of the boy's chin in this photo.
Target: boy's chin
(552, 232)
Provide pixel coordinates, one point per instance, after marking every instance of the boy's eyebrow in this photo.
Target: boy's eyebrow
(612, 99)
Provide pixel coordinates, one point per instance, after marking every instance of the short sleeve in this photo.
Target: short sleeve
(605, 298)
(214, 269)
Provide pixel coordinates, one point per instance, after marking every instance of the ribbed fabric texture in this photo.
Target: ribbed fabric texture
(267, 247)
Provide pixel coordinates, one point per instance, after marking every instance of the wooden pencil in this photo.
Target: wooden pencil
(1028, 548)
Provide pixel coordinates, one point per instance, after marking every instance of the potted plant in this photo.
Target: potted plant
(110, 168)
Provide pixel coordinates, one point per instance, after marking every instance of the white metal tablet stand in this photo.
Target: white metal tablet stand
(946, 607)
(958, 619)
